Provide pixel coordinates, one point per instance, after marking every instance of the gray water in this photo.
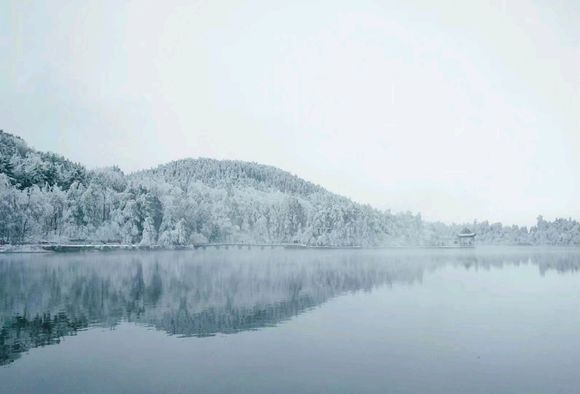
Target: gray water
(441, 321)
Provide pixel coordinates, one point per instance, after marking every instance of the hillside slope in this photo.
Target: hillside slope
(26, 167)
(46, 197)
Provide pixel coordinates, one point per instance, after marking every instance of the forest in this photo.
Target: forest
(46, 198)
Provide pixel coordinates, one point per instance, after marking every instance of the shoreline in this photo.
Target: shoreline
(74, 248)
(77, 248)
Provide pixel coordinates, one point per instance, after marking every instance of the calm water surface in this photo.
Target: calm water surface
(455, 321)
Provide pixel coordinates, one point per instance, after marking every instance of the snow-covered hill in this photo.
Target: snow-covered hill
(44, 196)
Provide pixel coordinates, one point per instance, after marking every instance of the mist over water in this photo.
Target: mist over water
(363, 320)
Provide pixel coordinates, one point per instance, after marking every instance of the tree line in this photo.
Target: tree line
(45, 197)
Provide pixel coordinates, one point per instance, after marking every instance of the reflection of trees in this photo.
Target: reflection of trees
(561, 260)
(43, 299)
(214, 320)
(21, 333)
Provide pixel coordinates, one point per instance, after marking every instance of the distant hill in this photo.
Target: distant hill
(223, 200)
(45, 197)
(230, 173)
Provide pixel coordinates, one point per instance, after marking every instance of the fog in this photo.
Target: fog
(457, 111)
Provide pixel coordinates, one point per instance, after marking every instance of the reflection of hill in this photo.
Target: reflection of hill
(45, 298)
(214, 320)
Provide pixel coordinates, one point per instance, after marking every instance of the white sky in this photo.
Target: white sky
(458, 110)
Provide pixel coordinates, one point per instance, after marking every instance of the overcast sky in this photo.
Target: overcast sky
(455, 109)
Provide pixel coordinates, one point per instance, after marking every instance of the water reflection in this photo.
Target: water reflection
(46, 298)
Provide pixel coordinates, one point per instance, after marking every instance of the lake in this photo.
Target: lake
(292, 321)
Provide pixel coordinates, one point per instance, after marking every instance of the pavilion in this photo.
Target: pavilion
(466, 238)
